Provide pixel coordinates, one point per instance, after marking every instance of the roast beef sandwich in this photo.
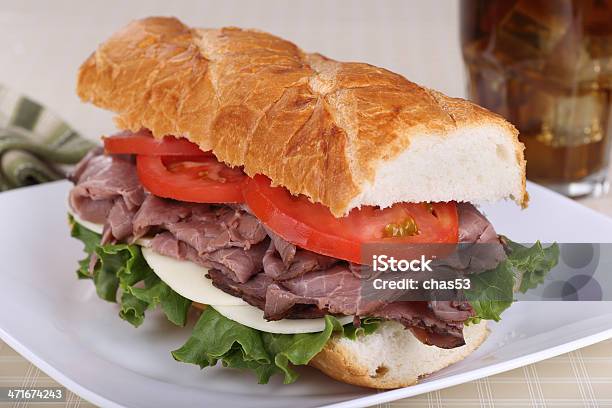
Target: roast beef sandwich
(245, 180)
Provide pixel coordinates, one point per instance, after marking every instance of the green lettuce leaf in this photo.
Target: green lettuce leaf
(367, 326)
(491, 292)
(120, 269)
(217, 338)
(532, 264)
(298, 349)
(525, 268)
(90, 239)
(156, 292)
(132, 309)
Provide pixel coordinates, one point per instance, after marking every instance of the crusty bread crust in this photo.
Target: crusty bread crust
(313, 125)
(341, 360)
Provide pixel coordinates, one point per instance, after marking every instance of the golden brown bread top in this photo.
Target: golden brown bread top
(314, 125)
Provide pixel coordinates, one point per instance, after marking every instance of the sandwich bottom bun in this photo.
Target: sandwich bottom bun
(391, 357)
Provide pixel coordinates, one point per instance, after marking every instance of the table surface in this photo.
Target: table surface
(43, 43)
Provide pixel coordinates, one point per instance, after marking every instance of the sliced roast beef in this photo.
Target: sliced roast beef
(335, 290)
(473, 226)
(286, 250)
(156, 212)
(166, 244)
(120, 220)
(248, 261)
(100, 183)
(209, 229)
(479, 247)
(451, 310)
(247, 228)
(257, 291)
(84, 164)
(206, 228)
(279, 302)
(432, 338)
(253, 291)
(238, 264)
(299, 263)
(449, 334)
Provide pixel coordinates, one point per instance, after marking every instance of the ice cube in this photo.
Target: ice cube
(577, 119)
(532, 29)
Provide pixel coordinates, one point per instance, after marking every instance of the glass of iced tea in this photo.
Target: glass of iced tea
(546, 66)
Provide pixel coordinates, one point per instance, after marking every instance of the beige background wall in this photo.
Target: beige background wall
(43, 42)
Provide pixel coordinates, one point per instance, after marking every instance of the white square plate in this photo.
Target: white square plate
(58, 323)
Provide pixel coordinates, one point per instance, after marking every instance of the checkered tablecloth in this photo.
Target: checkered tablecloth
(582, 378)
(16, 371)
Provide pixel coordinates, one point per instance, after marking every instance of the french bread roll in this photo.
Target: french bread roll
(343, 134)
(391, 357)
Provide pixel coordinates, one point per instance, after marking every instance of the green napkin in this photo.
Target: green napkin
(35, 145)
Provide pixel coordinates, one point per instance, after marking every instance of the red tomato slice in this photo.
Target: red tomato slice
(312, 226)
(142, 142)
(197, 179)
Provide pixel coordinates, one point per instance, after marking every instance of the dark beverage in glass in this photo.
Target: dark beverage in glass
(546, 66)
